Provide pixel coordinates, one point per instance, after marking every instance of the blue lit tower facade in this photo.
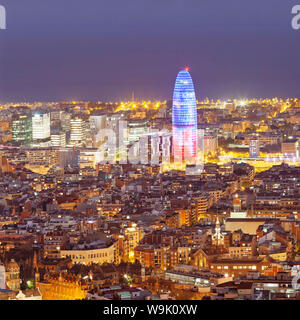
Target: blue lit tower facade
(184, 118)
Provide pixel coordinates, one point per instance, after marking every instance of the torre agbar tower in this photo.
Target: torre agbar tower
(184, 119)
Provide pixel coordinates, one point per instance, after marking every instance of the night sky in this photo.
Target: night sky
(105, 49)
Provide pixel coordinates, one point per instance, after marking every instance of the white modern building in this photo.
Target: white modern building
(40, 126)
(78, 132)
(58, 139)
(97, 122)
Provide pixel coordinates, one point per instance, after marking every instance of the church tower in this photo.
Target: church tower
(217, 237)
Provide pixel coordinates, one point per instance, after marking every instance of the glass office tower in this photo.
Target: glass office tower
(184, 119)
(22, 129)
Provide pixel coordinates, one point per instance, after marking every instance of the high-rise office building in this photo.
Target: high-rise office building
(116, 123)
(210, 143)
(97, 128)
(136, 130)
(78, 132)
(97, 122)
(58, 138)
(57, 115)
(184, 118)
(41, 126)
(22, 129)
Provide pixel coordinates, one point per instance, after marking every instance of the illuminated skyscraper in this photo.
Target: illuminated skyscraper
(58, 138)
(22, 129)
(78, 132)
(184, 119)
(41, 125)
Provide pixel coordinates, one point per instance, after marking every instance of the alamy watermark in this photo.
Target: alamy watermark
(296, 17)
(2, 18)
(154, 148)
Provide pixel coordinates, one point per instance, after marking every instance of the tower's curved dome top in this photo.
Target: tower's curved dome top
(184, 100)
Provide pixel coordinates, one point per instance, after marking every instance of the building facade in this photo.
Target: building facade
(41, 126)
(22, 129)
(184, 119)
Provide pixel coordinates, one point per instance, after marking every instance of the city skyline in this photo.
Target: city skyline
(155, 156)
(91, 190)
